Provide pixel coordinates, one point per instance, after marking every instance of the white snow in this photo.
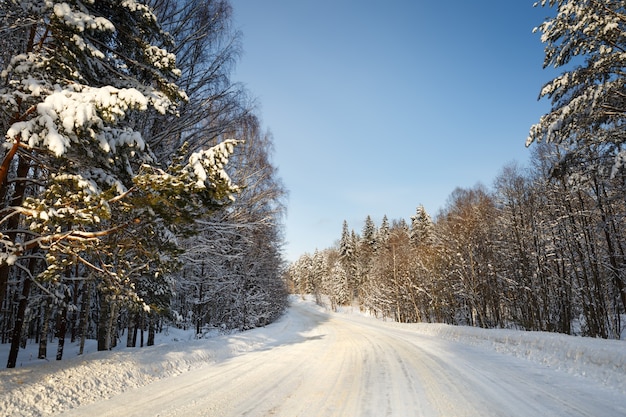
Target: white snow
(65, 112)
(214, 160)
(316, 363)
(80, 20)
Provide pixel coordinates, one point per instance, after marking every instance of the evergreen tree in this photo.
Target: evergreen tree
(369, 233)
(421, 232)
(346, 247)
(586, 38)
(383, 232)
(80, 189)
(348, 258)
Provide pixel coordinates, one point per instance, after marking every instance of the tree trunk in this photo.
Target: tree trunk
(136, 328)
(141, 334)
(103, 321)
(43, 337)
(14, 221)
(84, 315)
(131, 335)
(109, 333)
(19, 324)
(61, 330)
(151, 329)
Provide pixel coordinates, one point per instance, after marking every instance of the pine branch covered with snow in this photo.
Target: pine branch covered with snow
(587, 39)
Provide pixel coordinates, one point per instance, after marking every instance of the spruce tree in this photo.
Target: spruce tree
(369, 233)
(421, 232)
(346, 248)
(383, 232)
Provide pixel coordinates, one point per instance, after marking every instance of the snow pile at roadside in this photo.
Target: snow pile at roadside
(58, 386)
(37, 388)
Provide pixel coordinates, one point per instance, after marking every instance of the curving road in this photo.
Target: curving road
(316, 364)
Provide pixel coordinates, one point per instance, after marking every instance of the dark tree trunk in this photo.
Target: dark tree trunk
(131, 331)
(103, 322)
(61, 330)
(43, 337)
(151, 330)
(111, 328)
(19, 324)
(84, 315)
(14, 221)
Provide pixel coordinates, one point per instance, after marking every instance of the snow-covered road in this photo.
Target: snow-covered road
(316, 364)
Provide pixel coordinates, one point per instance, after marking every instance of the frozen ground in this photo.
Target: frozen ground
(314, 363)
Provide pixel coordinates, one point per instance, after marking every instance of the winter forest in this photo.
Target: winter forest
(137, 190)
(136, 183)
(545, 247)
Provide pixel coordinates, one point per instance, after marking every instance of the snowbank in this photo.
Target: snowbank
(56, 386)
(39, 387)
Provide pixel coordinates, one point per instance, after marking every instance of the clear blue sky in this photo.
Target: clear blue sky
(378, 107)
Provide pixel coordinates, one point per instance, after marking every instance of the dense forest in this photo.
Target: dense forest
(545, 247)
(136, 183)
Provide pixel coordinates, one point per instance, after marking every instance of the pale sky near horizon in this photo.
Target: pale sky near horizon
(377, 107)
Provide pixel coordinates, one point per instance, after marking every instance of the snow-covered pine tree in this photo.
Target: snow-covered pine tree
(340, 290)
(78, 185)
(383, 231)
(586, 39)
(369, 233)
(421, 232)
(299, 274)
(348, 258)
(345, 246)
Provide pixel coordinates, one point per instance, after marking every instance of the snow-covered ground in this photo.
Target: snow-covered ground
(315, 363)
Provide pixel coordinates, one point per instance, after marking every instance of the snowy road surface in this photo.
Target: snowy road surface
(317, 364)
